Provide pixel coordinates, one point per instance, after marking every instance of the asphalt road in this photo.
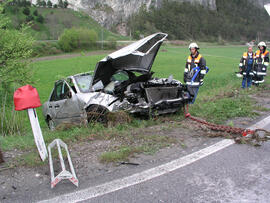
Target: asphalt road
(235, 173)
(238, 173)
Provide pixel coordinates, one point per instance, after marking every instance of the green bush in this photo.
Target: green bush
(35, 13)
(46, 49)
(29, 18)
(77, 38)
(40, 19)
(26, 11)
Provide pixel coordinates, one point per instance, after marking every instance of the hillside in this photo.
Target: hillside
(55, 21)
(235, 21)
(114, 14)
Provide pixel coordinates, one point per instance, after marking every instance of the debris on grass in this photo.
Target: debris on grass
(118, 118)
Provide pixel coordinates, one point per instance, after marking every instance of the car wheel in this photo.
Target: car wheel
(51, 124)
(96, 113)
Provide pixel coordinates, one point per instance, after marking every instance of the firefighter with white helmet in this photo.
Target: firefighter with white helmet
(261, 64)
(195, 70)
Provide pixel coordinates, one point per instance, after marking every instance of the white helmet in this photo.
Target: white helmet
(193, 45)
(262, 44)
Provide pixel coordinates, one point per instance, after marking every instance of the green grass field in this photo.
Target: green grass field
(213, 102)
(222, 61)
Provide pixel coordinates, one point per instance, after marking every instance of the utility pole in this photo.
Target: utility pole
(102, 37)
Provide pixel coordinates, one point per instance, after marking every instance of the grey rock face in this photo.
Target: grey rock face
(116, 12)
(111, 13)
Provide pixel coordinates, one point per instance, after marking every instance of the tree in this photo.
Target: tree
(65, 4)
(75, 38)
(26, 11)
(35, 13)
(29, 18)
(68, 40)
(15, 69)
(43, 3)
(23, 3)
(40, 19)
(60, 4)
(55, 6)
(49, 4)
(39, 3)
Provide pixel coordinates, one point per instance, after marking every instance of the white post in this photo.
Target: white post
(32, 114)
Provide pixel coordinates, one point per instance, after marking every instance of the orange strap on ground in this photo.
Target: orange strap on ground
(221, 128)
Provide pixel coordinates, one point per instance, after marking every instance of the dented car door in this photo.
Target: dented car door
(65, 105)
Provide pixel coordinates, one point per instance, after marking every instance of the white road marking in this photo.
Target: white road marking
(261, 124)
(149, 174)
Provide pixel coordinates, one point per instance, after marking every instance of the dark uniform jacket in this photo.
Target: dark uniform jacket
(195, 70)
(261, 63)
(246, 62)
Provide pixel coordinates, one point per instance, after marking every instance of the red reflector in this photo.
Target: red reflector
(26, 97)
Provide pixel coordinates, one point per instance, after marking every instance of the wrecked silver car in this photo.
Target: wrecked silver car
(121, 81)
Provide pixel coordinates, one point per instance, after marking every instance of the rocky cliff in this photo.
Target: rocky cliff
(111, 13)
(116, 12)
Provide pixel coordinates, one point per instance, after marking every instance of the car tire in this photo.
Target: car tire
(51, 124)
(97, 113)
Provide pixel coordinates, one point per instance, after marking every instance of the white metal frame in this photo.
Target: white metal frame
(64, 174)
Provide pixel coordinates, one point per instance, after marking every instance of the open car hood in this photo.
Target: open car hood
(138, 56)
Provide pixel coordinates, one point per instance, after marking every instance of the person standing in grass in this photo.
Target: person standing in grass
(195, 70)
(260, 64)
(246, 67)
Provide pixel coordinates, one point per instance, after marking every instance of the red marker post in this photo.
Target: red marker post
(27, 98)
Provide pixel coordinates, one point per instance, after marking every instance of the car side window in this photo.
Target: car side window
(65, 91)
(71, 84)
(61, 91)
(56, 91)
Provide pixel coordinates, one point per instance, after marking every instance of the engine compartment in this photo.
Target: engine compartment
(144, 93)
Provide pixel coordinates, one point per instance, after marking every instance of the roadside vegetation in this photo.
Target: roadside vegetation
(15, 70)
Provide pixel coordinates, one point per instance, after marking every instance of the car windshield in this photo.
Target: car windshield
(84, 82)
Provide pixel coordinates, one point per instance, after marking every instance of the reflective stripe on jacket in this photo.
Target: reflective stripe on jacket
(246, 61)
(195, 70)
(261, 63)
